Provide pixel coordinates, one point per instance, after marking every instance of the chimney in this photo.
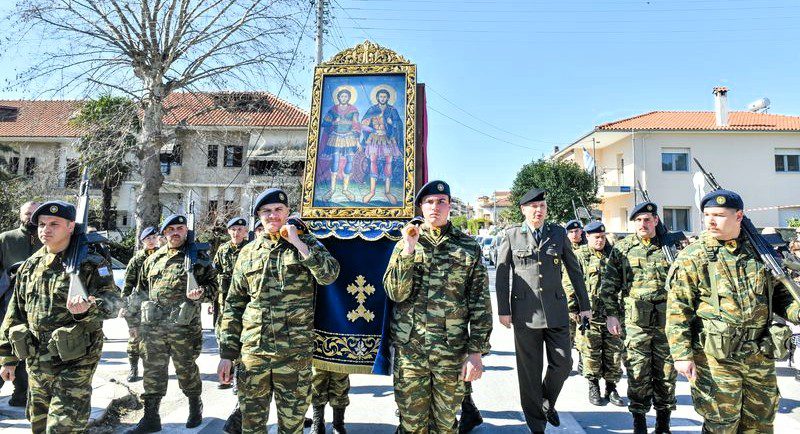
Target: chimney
(721, 105)
(555, 150)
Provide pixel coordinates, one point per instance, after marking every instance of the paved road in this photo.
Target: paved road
(372, 409)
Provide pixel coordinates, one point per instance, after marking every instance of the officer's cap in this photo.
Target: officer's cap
(432, 187)
(146, 232)
(595, 227)
(174, 219)
(533, 195)
(574, 224)
(236, 221)
(722, 199)
(649, 207)
(56, 208)
(270, 195)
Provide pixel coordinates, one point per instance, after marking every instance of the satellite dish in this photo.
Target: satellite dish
(760, 105)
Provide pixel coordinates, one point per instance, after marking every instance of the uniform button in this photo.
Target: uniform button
(540, 276)
(539, 262)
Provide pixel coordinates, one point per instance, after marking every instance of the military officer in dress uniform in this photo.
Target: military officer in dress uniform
(535, 303)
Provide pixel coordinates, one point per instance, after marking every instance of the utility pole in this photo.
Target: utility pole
(320, 28)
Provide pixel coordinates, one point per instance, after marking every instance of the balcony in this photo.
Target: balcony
(613, 183)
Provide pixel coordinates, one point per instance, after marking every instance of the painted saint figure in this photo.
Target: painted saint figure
(383, 131)
(343, 132)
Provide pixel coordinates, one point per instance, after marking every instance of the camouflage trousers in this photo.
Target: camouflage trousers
(575, 336)
(602, 353)
(288, 379)
(651, 374)
(183, 344)
(330, 388)
(428, 395)
(736, 395)
(134, 342)
(60, 395)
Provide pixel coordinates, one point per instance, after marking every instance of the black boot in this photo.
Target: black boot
(580, 364)
(639, 423)
(470, 415)
(151, 421)
(195, 412)
(594, 393)
(318, 420)
(338, 421)
(613, 396)
(662, 421)
(133, 375)
(234, 423)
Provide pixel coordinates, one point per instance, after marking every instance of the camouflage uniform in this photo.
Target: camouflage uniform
(636, 271)
(709, 309)
(442, 314)
(602, 351)
(268, 322)
(330, 388)
(163, 281)
(224, 260)
(134, 299)
(572, 304)
(60, 392)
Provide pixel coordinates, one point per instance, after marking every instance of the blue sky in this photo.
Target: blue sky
(525, 75)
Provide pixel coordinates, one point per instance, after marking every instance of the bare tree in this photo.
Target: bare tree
(147, 49)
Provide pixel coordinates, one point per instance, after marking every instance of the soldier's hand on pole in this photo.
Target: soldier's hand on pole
(411, 234)
(224, 371)
(78, 305)
(7, 373)
(687, 368)
(613, 325)
(506, 321)
(195, 294)
(472, 369)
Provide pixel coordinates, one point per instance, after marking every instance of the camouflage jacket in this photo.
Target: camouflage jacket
(134, 270)
(269, 310)
(40, 300)
(593, 264)
(572, 298)
(634, 270)
(442, 296)
(729, 294)
(224, 260)
(163, 280)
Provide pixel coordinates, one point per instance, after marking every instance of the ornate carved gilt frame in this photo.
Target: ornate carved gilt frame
(366, 58)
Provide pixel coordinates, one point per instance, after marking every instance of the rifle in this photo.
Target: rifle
(667, 240)
(191, 249)
(575, 210)
(78, 248)
(251, 227)
(769, 256)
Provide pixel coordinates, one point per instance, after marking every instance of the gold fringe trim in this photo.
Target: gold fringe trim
(340, 368)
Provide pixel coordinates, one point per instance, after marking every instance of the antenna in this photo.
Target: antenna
(759, 105)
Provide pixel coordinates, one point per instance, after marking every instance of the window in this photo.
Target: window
(30, 167)
(166, 168)
(233, 156)
(271, 167)
(677, 219)
(213, 154)
(12, 164)
(675, 161)
(787, 160)
(73, 176)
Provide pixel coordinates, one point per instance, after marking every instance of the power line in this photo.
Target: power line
(574, 21)
(574, 32)
(568, 11)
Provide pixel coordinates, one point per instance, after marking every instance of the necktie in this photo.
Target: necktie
(537, 236)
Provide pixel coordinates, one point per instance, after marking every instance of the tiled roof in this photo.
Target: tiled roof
(246, 109)
(700, 121)
(47, 118)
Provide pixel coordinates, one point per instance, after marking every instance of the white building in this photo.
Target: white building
(755, 154)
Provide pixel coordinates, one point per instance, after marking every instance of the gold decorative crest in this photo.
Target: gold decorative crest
(361, 290)
(364, 60)
(720, 200)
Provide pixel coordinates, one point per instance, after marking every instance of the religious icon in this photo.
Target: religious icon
(383, 135)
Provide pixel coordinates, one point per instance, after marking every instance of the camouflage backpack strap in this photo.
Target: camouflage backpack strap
(710, 262)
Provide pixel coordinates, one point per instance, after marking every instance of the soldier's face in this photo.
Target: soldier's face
(534, 212)
(596, 240)
(575, 235)
(259, 230)
(645, 225)
(723, 223)
(150, 242)
(176, 235)
(435, 209)
(273, 216)
(54, 232)
(26, 210)
(237, 233)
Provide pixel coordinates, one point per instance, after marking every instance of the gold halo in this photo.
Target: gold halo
(373, 96)
(351, 89)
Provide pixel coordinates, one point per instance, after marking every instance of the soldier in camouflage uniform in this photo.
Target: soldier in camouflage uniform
(718, 322)
(133, 298)
(60, 339)
(602, 351)
(575, 234)
(329, 388)
(442, 318)
(170, 323)
(224, 260)
(636, 271)
(268, 321)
